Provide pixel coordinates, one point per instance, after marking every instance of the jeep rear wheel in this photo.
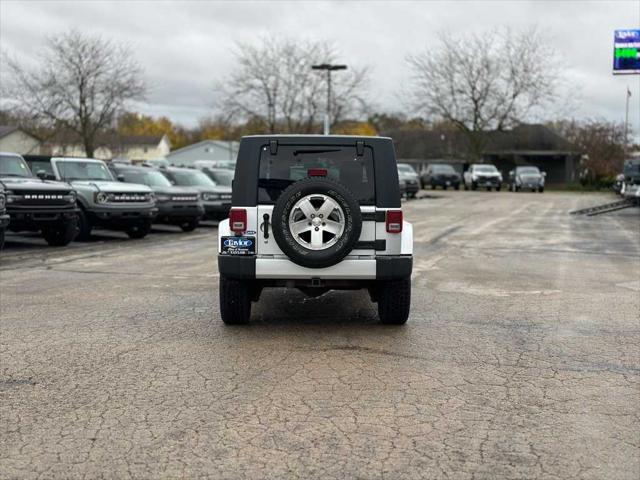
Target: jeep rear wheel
(235, 301)
(62, 234)
(394, 301)
(316, 222)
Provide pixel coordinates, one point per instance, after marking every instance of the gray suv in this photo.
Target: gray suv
(103, 200)
(215, 198)
(179, 206)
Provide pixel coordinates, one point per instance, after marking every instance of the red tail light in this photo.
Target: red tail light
(317, 172)
(238, 220)
(394, 221)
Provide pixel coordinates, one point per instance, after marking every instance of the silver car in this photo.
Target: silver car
(529, 177)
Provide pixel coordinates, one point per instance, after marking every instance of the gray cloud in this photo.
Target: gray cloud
(186, 46)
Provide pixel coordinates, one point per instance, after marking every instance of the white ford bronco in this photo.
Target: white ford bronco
(316, 213)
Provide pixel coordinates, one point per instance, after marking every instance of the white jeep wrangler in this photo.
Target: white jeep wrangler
(316, 213)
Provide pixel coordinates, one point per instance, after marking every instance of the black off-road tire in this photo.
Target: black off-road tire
(540, 189)
(1, 238)
(498, 188)
(316, 258)
(235, 301)
(394, 301)
(140, 230)
(84, 226)
(457, 186)
(474, 186)
(189, 226)
(62, 234)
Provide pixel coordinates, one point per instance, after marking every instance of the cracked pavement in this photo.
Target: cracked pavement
(521, 357)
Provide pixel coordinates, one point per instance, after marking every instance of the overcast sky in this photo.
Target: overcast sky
(185, 46)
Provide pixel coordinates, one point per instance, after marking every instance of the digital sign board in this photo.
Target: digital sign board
(626, 51)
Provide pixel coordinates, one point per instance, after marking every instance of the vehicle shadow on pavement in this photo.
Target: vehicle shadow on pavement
(332, 308)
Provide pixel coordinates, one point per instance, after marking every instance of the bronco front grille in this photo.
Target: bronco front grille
(41, 198)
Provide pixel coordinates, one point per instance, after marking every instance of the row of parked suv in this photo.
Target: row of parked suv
(68, 197)
(478, 175)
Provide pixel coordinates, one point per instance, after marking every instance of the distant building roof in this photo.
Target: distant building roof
(220, 143)
(6, 130)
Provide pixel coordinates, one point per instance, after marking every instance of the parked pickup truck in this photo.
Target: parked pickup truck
(482, 175)
(102, 200)
(315, 213)
(37, 204)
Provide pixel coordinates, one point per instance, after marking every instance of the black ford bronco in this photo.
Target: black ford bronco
(36, 204)
(316, 213)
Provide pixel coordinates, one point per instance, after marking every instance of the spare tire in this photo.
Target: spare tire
(316, 222)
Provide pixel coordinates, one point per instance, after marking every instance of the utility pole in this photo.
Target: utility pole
(329, 68)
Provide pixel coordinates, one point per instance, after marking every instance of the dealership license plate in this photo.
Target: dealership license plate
(239, 245)
(448, 183)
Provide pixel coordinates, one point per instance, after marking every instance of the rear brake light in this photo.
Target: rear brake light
(238, 220)
(317, 172)
(394, 221)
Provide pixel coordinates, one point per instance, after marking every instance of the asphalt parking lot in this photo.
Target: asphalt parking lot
(521, 358)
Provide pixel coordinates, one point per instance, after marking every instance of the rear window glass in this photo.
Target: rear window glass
(292, 163)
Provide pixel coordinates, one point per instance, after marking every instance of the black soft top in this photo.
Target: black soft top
(247, 166)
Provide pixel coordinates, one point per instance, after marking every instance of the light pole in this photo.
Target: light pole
(329, 68)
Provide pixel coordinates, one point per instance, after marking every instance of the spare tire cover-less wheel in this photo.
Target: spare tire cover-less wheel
(316, 222)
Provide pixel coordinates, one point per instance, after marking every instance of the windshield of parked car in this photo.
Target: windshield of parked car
(42, 165)
(485, 168)
(528, 171)
(404, 168)
(11, 166)
(192, 178)
(221, 177)
(443, 169)
(78, 170)
(146, 177)
(293, 163)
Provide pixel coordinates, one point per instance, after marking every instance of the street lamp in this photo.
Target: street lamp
(329, 68)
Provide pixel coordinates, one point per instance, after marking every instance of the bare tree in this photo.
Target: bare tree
(483, 82)
(273, 81)
(601, 141)
(81, 84)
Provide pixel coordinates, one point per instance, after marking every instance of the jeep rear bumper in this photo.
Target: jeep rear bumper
(251, 267)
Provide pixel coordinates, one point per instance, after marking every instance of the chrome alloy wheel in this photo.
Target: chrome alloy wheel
(316, 222)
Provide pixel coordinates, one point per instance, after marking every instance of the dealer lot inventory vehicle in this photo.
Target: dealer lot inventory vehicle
(103, 200)
(528, 177)
(482, 175)
(315, 213)
(440, 175)
(4, 217)
(221, 176)
(179, 206)
(410, 177)
(38, 204)
(631, 181)
(216, 199)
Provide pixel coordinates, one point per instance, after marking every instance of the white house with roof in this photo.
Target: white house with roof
(204, 150)
(131, 147)
(15, 140)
